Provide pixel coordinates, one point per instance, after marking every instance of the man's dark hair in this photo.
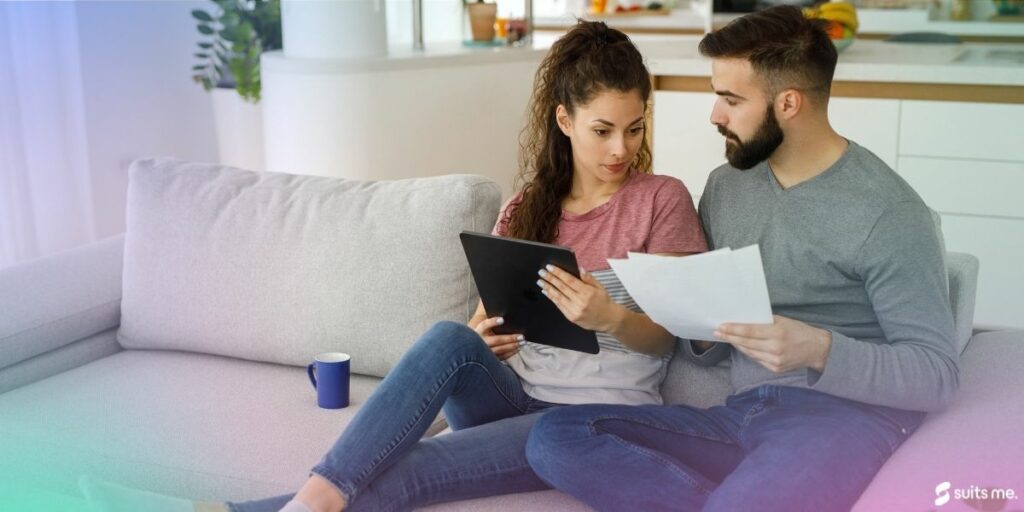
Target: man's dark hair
(785, 49)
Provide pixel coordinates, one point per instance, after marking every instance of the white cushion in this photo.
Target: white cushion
(278, 267)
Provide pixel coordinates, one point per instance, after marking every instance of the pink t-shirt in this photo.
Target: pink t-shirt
(648, 214)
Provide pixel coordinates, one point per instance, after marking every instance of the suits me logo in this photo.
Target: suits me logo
(943, 493)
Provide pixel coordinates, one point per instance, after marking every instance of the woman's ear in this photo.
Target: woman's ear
(563, 120)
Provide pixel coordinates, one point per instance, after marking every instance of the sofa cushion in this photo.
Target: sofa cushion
(278, 267)
(195, 425)
(697, 386)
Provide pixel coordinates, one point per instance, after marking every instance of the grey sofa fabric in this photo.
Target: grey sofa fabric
(59, 360)
(963, 287)
(186, 424)
(977, 441)
(277, 267)
(54, 301)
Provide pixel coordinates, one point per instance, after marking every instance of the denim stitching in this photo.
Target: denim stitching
(347, 492)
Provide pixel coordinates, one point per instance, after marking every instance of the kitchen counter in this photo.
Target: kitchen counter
(979, 72)
(875, 23)
(676, 55)
(871, 60)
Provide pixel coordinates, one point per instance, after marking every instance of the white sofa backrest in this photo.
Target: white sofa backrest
(278, 267)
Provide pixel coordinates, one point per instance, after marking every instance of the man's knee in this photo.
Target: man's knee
(559, 436)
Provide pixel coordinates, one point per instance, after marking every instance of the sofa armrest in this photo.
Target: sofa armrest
(963, 287)
(54, 301)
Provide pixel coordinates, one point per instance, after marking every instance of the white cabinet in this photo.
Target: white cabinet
(967, 187)
(874, 124)
(966, 160)
(981, 131)
(998, 243)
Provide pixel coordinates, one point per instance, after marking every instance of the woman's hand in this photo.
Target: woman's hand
(504, 346)
(584, 302)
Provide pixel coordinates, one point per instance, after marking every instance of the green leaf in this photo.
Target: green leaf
(205, 29)
(201, 15)
(230, 19)
(202, 55)
(206, 46)
(198, 67)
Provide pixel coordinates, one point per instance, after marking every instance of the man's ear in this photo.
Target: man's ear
(563, 120)
(789, 103)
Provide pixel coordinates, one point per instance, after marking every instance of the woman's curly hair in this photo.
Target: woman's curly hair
(589, 59)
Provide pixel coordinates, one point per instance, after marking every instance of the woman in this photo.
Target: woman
(585, 169)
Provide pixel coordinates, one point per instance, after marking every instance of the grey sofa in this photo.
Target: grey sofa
(170, 358)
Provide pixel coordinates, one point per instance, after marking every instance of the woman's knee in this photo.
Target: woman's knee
(447, 339)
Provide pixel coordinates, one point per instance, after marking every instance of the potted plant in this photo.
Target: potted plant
(233, 40)
(482, 16)
(234, 35)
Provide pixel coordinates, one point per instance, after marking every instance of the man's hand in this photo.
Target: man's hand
(782, 346)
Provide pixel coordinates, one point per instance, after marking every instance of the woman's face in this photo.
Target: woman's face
(605, 134)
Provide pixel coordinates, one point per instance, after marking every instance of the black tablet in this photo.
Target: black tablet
(505, 271)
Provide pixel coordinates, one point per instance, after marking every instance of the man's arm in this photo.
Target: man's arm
(905, 277)
(916, 367)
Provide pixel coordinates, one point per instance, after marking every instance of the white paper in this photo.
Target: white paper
(692, 295)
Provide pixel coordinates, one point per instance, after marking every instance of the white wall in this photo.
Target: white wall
(136, 60)
(397, 124)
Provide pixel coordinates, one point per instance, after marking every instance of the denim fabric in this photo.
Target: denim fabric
(381, 463)
(769, 449)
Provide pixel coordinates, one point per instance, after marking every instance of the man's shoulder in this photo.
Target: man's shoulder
(878, 182)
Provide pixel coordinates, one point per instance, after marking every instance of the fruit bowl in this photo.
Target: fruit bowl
(842, 44)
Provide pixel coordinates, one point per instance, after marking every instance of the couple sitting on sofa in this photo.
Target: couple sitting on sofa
(862, 343)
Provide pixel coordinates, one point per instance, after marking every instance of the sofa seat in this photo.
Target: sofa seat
(187, 424)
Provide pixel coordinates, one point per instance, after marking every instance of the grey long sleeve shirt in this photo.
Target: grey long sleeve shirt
(854, 251)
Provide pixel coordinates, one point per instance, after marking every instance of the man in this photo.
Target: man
(862, 343)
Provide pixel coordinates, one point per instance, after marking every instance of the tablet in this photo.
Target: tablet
(505, 271)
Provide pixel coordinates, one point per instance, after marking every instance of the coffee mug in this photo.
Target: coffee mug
(329, 374)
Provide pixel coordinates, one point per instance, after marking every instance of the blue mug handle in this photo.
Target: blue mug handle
(311, 373)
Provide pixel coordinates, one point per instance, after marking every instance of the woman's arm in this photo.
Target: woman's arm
(586, 303)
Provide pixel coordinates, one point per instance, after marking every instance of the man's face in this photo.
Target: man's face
(743, 114)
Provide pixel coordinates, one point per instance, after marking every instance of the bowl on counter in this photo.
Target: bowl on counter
(842, 44)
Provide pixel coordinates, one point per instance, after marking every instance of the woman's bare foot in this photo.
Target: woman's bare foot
(320, 495)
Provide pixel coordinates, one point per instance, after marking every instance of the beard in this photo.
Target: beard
(767, 138)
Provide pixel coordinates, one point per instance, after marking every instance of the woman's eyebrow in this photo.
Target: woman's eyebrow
(609, 123)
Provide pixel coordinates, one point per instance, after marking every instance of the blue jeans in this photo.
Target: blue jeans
(768, 449)
(381, 463)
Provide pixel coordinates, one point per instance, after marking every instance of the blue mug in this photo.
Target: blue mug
(329, 374)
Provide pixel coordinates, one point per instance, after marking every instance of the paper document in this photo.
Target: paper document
(692, 295)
